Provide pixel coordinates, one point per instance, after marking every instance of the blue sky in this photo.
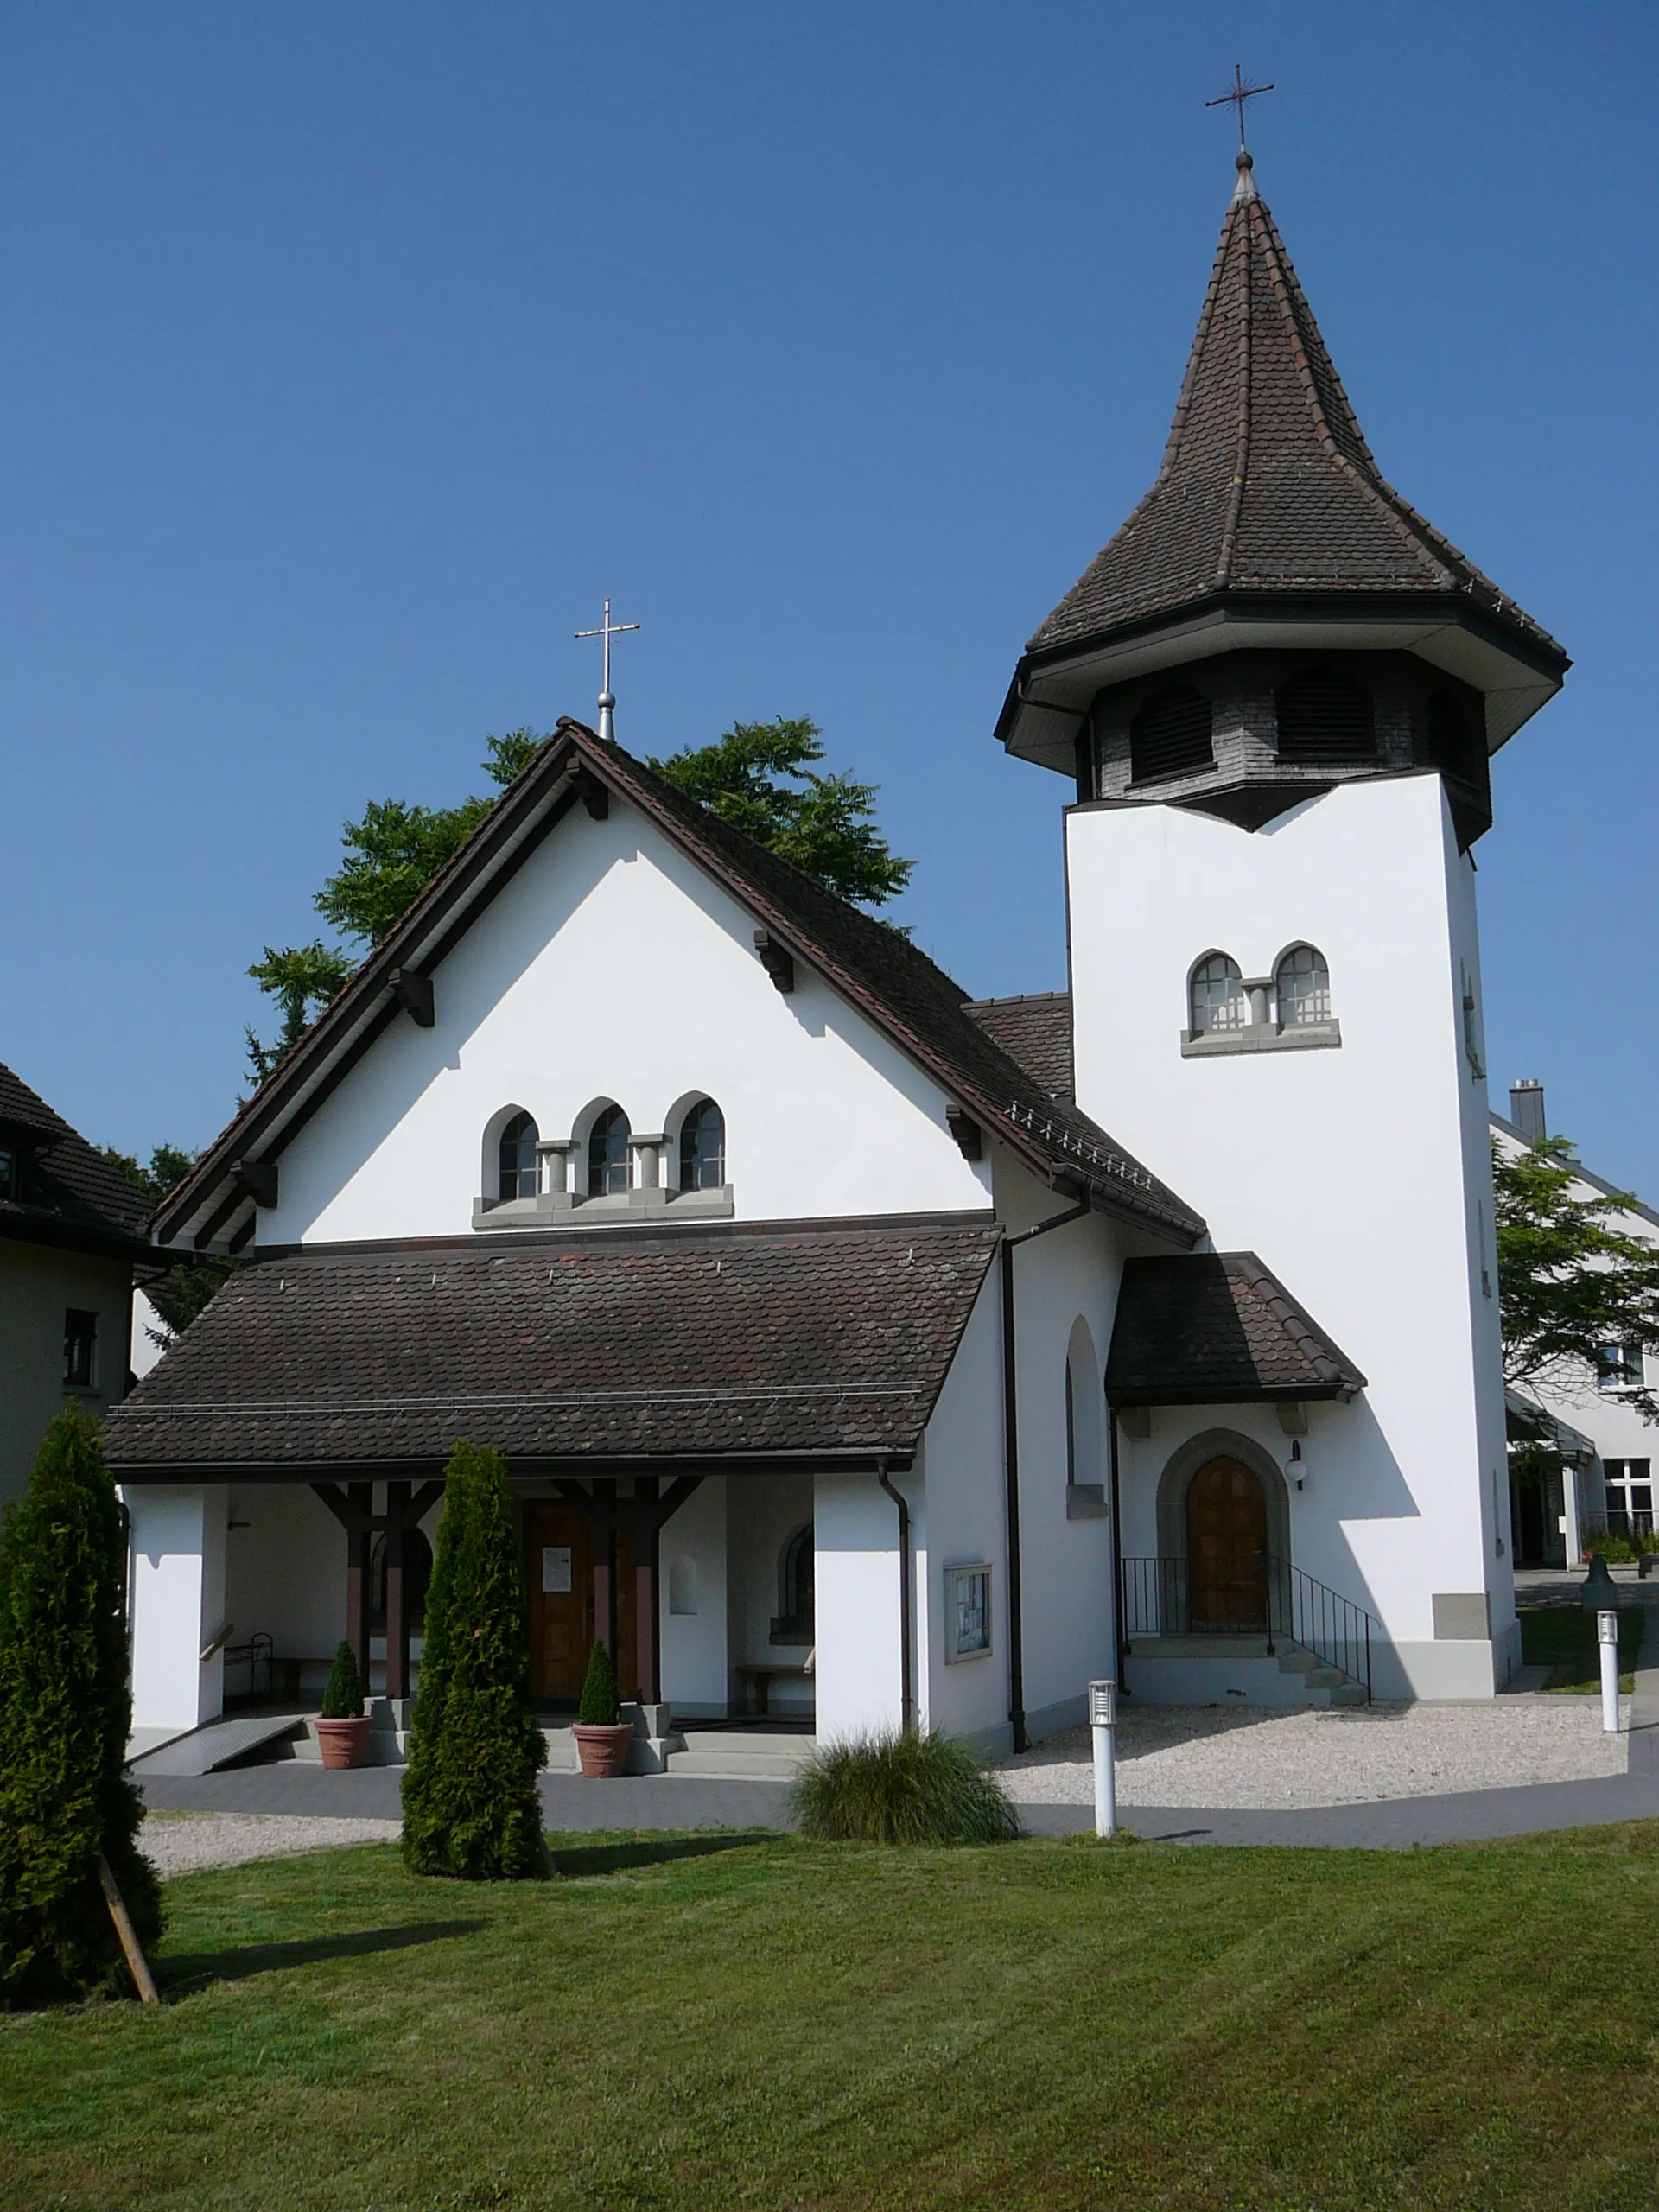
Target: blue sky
(348, 356)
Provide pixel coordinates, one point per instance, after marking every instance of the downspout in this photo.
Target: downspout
(906, 1687)
(1011, 1468)
(1120, 1642)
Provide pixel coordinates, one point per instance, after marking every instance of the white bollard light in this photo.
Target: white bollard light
(1608, 1637)
(1103, 1717)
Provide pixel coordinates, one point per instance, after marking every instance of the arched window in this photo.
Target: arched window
(517, 1157)
(1217, 995)
(1171, 734)
(1301, 983)
(794, 1624)
(1325, 716)
(703, 1146)
(417, 1573)
(608, 1167)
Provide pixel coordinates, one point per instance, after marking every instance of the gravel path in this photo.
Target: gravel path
(179, 1843)
(1285, 1762)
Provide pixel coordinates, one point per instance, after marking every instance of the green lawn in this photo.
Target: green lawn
(705, 2021)
(1563, 1638)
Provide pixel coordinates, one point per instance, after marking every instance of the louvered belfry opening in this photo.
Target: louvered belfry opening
(1325, 716)
(1172, 735)
(1456, 744)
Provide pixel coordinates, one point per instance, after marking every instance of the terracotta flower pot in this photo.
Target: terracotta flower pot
(343, 1743)
(603, 1752)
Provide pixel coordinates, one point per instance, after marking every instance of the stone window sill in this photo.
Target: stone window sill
(1086, 1502)
(1262, 1037)
(561, 1210)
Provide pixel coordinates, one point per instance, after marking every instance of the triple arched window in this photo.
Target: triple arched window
(604, 1159)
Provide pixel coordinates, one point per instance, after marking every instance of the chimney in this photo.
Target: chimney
(1527, 1109)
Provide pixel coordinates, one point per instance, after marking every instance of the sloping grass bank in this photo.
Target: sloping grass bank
(708, 2022)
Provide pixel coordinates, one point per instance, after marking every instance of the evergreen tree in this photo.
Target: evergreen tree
(65, 1712)
(471, 1808)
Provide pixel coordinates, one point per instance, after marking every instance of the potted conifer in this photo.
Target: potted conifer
(342, 1725)
(602, 1735)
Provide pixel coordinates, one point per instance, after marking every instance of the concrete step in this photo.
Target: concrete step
(742, 1754)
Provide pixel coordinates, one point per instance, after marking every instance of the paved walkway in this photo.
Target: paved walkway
(296, 1787)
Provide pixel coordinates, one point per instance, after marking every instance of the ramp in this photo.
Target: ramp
(219, 1743)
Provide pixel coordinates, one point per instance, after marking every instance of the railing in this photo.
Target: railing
(256, 1654)
(1164, 1596)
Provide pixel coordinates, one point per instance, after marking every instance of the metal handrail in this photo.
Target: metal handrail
(1161, 1597)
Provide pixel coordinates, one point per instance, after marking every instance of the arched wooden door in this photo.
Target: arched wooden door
(1226, 1548)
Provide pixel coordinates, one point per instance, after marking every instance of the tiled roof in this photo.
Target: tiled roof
(815, 1340)
(1036, 1030)
(1216, 1328)
(1267, 485)
(69, 1192)
(874, 966)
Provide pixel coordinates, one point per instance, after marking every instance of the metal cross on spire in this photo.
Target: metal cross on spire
(1236, 98)
(607, 630)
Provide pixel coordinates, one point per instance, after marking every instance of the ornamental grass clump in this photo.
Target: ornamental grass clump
(65, 1712)
(343, 1692)
(901, 1787)
(471, 1808)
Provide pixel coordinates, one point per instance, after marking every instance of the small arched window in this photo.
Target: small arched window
(517, 1159)
(1301, 983)
(1325, 716)
(795, 1623)
(609, 1166)
(703, 1146)
(1171, 734)
(1217, 995)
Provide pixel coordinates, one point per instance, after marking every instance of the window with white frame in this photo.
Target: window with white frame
(1216, 996)
(1618, 1367)
(967, 1612)
(1302, 985)
(1628, 1485)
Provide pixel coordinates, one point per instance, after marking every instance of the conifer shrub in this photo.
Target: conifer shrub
(600, 1706)
(901, 1786)
(65, 1712)
(470, 1805)
(343, 1692)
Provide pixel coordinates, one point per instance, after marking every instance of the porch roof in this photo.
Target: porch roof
(1217, 1328)
(821, 1344)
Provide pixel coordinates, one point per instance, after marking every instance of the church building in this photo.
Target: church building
(864, 1352)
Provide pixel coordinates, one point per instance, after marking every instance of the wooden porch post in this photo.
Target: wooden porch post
(359, 1537)
(605, 1564)
(397, 1591)
(647, 1581)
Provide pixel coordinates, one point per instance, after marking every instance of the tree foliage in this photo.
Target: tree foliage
(343, 1692)
(391, 855)
(825, 825)
(66, 1714)
(471, 1809)
(180, 1292)
(1570, 1281)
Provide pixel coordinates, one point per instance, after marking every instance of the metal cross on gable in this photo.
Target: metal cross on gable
(607, 630)
(1236, 98)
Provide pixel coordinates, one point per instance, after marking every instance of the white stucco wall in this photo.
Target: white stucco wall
(959, 1519)
(177, 1602)
(610, 968)
(858, 1677)
(695, 1674)
(1360, 1174)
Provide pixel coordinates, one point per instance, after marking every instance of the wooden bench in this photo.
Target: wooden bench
(764, 1672)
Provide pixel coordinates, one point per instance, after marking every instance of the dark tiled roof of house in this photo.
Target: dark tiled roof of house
(67, 1191)
(1266, 484)
(1216, 1328)
(818, 1341)
(875, 967)
(1036, 1030)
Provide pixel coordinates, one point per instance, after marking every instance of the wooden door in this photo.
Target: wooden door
(562, 1607)
(1226, 1548)
(561, 1601)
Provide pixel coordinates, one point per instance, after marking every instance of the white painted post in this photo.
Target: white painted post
(1103, 1715)
(1607, 1636)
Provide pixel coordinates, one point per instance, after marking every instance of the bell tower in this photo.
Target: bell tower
(1278, 690)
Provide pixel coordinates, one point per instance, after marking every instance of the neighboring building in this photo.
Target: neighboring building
(71, 1228)
(1604, 1445)
(823, 1321)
